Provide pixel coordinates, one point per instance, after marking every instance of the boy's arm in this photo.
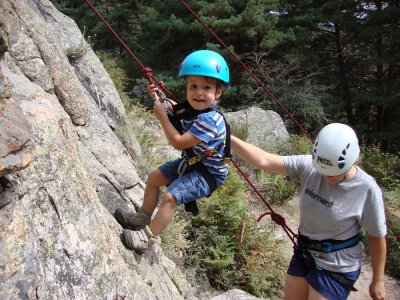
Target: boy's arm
(377, 249)
(258, 158)
(177, 140)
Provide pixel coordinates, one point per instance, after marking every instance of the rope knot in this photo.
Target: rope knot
(147, 73)
(278, 219)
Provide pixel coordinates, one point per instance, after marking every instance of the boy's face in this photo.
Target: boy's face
(202, 91)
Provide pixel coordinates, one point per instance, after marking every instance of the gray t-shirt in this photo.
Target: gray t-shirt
(336, 211)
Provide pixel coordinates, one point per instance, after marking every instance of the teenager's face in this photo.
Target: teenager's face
(335, 179)
(202, 91)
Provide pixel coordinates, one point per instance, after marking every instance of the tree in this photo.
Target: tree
(353, 42)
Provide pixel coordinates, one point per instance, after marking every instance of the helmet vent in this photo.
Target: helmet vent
(344, 152)
(341, 162)
(348, 145)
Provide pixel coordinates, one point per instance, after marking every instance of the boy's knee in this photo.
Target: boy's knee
(169, 198)
(154, 178)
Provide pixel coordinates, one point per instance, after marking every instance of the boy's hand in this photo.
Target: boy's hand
(160, 106)
(159, 109)
(154, 92)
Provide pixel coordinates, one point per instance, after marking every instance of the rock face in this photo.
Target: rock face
(64, 169)
(68, 158)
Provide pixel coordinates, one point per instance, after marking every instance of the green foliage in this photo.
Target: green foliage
(227, 245)
(392, 200)
(277, 189)
(239, 130)
(298, 144)
(384, 167)
(174, 241)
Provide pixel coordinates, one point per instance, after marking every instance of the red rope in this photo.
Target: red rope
(246, 68)
(146, 72)
(277, 218)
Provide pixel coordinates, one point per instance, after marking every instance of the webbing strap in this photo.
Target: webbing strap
(326, 246)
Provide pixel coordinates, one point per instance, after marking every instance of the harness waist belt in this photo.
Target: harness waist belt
(326, 246)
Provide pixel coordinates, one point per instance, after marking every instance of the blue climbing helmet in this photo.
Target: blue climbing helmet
(205, 63)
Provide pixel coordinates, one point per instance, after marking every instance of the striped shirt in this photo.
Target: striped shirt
(210, 128)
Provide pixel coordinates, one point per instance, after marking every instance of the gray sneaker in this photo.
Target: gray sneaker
(132, 220)
(138, 241)
(135, 240)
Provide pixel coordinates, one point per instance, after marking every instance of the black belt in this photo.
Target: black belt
(326, 246)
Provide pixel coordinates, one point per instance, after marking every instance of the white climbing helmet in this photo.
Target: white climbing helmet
(335, 149)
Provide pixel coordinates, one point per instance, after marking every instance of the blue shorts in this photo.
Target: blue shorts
(319, 279)
(186, 188)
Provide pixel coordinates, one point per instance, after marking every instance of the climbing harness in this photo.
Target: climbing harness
(191, 160)
(326, 246)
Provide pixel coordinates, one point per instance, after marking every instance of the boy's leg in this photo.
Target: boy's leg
(141, 240)
(141, 218)
(165, 214)
(155, 180)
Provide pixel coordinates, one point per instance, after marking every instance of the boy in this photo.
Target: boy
(200, 135)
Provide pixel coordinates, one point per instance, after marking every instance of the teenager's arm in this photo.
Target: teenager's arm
(258, 158)
(176, 140)
(377, 249)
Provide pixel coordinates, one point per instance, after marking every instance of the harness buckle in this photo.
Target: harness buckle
(327, 247)
(193, 160)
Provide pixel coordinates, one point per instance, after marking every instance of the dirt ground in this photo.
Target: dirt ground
(290, 212)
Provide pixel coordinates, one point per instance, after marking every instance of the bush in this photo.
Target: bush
(393, 222)
(227, 245)
(298, 144)
(277, 189)
(385, 169)
(383, 166)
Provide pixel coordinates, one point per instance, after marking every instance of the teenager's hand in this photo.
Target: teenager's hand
(377, 290)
